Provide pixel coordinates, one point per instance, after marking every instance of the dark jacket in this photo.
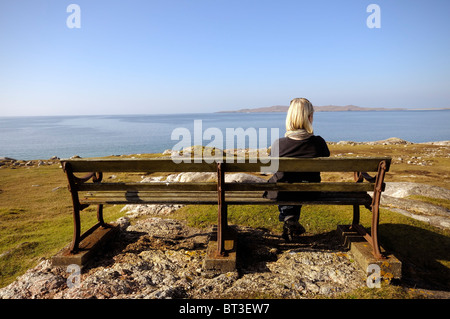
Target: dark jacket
(315, 146)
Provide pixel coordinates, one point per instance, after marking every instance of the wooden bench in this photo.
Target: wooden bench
(91, 190)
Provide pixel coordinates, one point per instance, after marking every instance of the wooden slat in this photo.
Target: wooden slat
(247, 198)
(304, 187)
(330, 201)
(324, 198)
(334, 164)
(158, 186)
(321, 164)
(135, 195)
(123, 201)
(233, 201)
(137, 165)
(148, 198)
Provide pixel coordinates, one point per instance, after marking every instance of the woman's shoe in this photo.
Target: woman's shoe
(290, 228)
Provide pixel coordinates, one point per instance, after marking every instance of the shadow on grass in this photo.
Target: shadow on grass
(422, 253)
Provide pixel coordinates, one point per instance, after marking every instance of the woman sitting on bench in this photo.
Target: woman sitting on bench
(299, 141)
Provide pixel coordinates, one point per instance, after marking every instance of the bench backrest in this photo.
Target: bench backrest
(367, 164)
(321, 164)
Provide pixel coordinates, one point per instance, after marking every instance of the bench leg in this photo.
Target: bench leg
(355, 215)
(76, 230)
(100, 215)
(222, 211)
(222, 226)
(372, 239)
(374, 233)
(376, 208)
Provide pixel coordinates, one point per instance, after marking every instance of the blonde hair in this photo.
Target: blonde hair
(298, 115)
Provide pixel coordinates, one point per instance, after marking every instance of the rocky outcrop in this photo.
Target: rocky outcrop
(162, 258)
(395, 198)
(405, 189)
(389, 141)
(7, 162)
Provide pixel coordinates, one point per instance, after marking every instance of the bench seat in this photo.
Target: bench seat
(231, 198)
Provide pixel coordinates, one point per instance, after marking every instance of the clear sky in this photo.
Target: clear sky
(189, 56)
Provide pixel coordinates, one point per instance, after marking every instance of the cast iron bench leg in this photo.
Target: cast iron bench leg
(76, 230)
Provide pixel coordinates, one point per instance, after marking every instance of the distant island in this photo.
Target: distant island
(326, 108)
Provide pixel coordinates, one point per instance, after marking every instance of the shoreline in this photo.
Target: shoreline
(332, 108)
(5, 160)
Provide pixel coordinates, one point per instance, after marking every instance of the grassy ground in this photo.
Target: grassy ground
(36, 216)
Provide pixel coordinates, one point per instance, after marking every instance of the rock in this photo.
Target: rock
(134, 211)
(404, 189)
(389, 141)
(414, 206)
(191, 177)
(243, 178)
(346, 143)
(439, 143)
(123, 222)
(162, 258)
(38, 282)
(395, 199)
(393, 141)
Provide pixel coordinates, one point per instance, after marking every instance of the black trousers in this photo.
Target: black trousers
(289, 212)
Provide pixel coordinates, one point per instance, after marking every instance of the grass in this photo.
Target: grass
(36, 216)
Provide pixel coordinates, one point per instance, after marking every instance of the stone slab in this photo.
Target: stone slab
(215, 262)
(88, 247)
(390, 267)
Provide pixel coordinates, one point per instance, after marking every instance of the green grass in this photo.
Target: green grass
(36, 221)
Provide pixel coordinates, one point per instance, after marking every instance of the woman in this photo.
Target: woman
(299, 141)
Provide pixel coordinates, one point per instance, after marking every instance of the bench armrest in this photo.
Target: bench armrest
(361, 176)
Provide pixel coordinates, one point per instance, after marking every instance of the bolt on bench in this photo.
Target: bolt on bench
(90, 190)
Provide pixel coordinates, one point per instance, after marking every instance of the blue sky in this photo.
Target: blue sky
(189, 56)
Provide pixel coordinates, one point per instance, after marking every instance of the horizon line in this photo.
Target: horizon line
(369, 109)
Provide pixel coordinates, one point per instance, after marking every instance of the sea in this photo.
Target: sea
(42, 137)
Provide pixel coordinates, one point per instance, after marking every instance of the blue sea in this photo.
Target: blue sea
(42, 137)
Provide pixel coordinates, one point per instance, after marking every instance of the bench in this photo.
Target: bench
(91, 190)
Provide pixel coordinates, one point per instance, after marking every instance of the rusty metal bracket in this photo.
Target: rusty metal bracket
(379, 186)
(73, 181)
(374, 207)
(222, 210)
(361, 176)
